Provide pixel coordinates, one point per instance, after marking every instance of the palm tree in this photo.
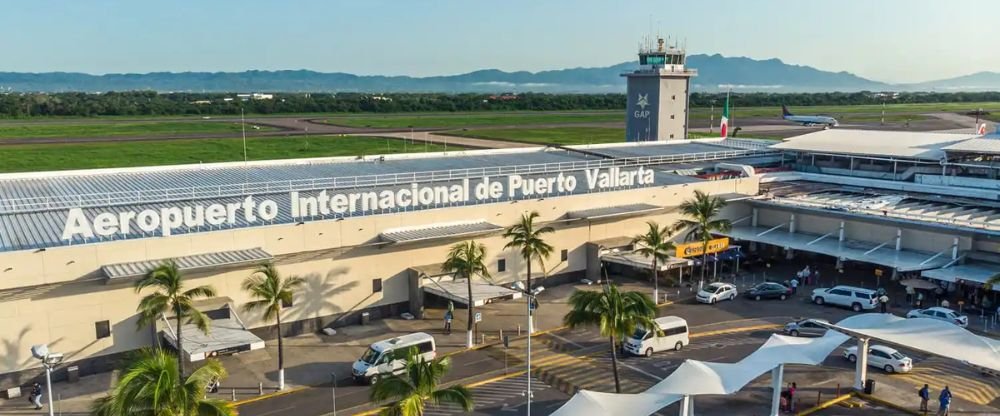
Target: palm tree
(701, 222)
(465, 260)
(171, 297)
(656, 244)
(617, 315)
(417, 387)
(271, 292)
(150, 384)
(528, 240)
(992, 281)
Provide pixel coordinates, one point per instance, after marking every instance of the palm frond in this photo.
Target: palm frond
(459, 395)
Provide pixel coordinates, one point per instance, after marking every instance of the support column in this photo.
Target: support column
(840, 236)
(685, 406)
(753, 218)
(899, 239)
(776, 374)
(791, 224)
(954, 249)
(861, 365)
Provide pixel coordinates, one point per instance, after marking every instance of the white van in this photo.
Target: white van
(389, 356)
(673, 335)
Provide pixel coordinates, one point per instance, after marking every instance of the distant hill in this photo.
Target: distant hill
(715, 72)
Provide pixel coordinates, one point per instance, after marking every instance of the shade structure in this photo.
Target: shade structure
(612, 212)
(918, 284)
(227, 334)
(864, 251)
(595, 403)
(438, 231)
(205, 261)
(458, 291)
(975, 273)
(639, 261)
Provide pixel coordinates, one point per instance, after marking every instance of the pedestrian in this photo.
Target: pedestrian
(910, 291)
(791, 397)
(448, 315)
(884, 300)
(925, 395)
(36, 395)
(795, 285)
(945, 304)
(920, 299)
(945, 401)
(816, 277)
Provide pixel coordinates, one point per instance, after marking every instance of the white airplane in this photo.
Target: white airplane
(809, 121)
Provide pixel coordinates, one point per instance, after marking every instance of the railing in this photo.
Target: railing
(31, 204)
(983, 225)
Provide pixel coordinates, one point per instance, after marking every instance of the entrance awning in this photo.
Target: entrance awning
(458, 291)
(611, 212)
(976, 273)
(189, 263)
(226, 335)
(438, 231)
(633, 259)
(863, 251)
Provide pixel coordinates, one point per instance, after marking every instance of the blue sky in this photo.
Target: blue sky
(887, 40)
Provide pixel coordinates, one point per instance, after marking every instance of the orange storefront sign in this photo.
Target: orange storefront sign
(694, 249)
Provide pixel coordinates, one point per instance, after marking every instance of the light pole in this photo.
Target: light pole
(49, 360)
(333, 391)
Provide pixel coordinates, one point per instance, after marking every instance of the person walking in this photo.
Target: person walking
(910, 291)
(945, 401)
(884, 300)
(925, 395)
(36, 395)
(920, 299)
(791, 397)
(795, 285)
(448, 316)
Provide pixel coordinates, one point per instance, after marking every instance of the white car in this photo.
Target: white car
(716, 292)
(883, 357)
(856, 298)
(941, 314)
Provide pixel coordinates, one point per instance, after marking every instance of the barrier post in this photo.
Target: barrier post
(260, 389)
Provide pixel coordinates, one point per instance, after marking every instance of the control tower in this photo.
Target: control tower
(658, 95)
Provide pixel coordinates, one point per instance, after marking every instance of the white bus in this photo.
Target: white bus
(673, 334)
(389, 356)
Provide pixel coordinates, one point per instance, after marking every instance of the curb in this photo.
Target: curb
(889, 404)
(269, 395)
(826, 404)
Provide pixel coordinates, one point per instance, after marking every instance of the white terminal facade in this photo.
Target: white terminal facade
(369, 234)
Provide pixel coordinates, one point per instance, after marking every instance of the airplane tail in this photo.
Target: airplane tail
(784, 111)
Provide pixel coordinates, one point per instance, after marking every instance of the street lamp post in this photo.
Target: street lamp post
(49, 360)
(333, 391)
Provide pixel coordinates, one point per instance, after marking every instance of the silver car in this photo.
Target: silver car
(808, 327)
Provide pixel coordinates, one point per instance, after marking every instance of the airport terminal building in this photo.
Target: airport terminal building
(368, 234)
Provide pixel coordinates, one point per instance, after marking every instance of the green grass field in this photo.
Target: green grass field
(474, 119)
(845, 111)
(112, 128)
(25, 158)
(557, 135)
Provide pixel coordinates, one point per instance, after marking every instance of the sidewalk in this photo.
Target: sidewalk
(310, 359)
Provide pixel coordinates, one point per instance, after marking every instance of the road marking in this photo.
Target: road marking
(566, 340)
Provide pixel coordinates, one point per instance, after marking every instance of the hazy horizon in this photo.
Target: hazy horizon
(892, 41)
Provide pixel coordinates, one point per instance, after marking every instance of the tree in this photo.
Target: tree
(992, 281)
(656, 245)
(617, 315)
(271, 292)
(465, 260)
(701, 222)
(524, 237)
(418, 386)
(171, 297)
(150, 384)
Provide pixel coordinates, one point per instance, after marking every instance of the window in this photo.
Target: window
(564, 255)
(673, 97)
(376, 285)
(671, 136)
(675, 330)
(286, 304)
(425, 347)
(671, 116)
(840, 292)
(103, 329)
(502, 265)
(862, 295)
(879, 354)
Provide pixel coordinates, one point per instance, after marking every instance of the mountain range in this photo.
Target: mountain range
(715, 73)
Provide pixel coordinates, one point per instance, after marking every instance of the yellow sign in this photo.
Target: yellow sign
(694, 249)
(878, 272)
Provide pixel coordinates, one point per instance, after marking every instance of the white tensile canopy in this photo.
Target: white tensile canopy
(699, 377)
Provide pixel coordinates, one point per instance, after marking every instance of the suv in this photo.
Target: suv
(856, 298)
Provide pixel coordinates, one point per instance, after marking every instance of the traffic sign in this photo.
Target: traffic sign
(479, 317)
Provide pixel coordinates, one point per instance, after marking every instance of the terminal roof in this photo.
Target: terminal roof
(895, 144)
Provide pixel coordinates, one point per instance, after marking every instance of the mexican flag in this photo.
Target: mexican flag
(724, 121)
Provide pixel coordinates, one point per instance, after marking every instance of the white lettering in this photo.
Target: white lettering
(338, 203)
(215, 214)
(170, 218)
(77, 223)
(147, 220)
(267, 210)
(105, 224)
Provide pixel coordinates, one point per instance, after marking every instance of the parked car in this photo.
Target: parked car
(768, 290)
(856, 298)
(941, 314)
(810, 327)
(673, 335)
(883, 357)
(716, 292)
